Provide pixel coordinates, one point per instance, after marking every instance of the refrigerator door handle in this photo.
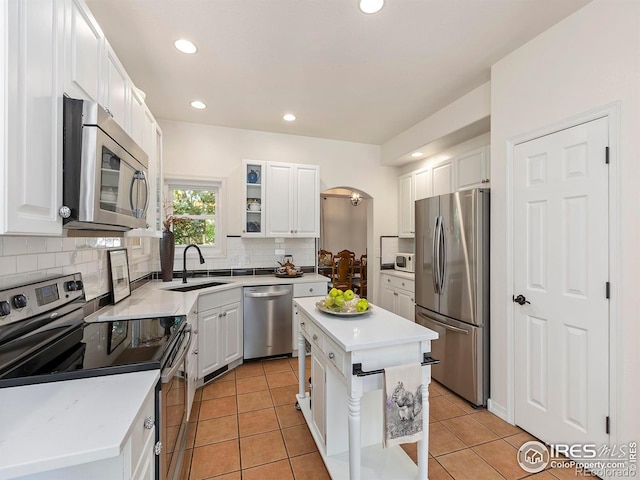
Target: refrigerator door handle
(435, 257)
(445, 326)
(442, 257)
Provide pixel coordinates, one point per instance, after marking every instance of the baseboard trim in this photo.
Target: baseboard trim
(497, 410)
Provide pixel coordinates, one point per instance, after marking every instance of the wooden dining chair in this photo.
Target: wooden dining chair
(342, 270)
(362, 289)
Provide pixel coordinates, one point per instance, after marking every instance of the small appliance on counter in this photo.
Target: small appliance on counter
(404, 262)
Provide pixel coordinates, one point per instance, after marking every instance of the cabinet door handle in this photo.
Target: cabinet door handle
(311, 289)
(195, 332)
(149, 423)
(195, 352)
(331, 355)
(302, 324)
(315, 337)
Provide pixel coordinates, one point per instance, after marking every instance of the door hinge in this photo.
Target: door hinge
(607, 289)
(606, 155)
(607, 425)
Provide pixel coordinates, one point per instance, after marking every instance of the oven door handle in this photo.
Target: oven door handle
(169, 372)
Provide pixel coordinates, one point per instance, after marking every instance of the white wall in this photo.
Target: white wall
(196, 149)
(31, 259)
(587, 61)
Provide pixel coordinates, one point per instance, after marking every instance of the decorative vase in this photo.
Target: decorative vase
(167, 254)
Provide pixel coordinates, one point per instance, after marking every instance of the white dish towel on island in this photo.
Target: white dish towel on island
(402, 405)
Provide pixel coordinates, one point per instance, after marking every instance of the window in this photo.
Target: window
(196, 208)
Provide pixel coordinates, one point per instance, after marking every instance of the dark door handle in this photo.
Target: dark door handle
(521, 300)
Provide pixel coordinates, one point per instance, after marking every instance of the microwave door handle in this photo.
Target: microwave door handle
(133, 207)
(143, 178)
(434, 256)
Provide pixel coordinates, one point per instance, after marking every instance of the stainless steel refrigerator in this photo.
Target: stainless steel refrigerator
(452, 288)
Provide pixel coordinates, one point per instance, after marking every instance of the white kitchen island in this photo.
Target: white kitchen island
(344, 409)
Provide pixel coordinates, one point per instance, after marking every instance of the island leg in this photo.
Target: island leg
(302, 357)
(423, 445)
(354, 438)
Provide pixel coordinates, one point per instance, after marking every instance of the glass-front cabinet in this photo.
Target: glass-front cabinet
(253, 198)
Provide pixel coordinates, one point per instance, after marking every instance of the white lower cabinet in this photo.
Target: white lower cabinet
(318, 392)
(301, 290)
(219, 330)
(192, 361)
(398, 295)
(137, 459)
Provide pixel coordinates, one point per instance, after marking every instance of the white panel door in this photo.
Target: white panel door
(560, 231)
(405, 305)
(307, 201)
(279, 199)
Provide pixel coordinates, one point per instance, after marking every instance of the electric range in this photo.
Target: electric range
(44, 336)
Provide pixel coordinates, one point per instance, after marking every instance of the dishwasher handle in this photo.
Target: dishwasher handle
(279, 293)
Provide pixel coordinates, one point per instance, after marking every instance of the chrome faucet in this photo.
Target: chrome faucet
(184, 260)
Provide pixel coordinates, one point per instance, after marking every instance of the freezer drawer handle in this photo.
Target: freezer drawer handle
(444, 325)
(358, 372)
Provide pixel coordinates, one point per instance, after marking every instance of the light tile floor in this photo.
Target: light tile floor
(247, 428)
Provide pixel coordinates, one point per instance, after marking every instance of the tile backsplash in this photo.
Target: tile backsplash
(30, 259)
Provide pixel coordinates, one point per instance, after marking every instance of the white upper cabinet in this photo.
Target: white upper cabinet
(473, 169)
(253, 199)
(423, 186)
(84, 47)
(292, 200)
(116, 89)
(411, 187)
(442, 175)
(307, 201)
(31, 50)
(138, 119)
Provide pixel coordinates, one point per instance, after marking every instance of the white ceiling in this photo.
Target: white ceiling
(345, 75)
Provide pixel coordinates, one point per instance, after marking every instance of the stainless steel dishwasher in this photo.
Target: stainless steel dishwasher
(268, 314)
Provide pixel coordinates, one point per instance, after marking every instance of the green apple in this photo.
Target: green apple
(334, 292)
(348, 295)
(339, 300)
(362, 305)
(328, 301)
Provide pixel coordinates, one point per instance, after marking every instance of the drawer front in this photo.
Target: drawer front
(139, 433)
(397, 282)
(208, 301)
(303, 320)
(315, 334)
(309, 289)
(334, 355)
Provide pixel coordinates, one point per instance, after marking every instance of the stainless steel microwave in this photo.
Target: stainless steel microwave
(105, 172)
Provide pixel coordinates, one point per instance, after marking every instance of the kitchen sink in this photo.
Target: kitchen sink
(195, 286)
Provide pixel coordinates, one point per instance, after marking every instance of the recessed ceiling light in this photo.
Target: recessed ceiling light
(198, 104)
(289, 117)
(185, 46)
(371, 6)
(416, 154)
